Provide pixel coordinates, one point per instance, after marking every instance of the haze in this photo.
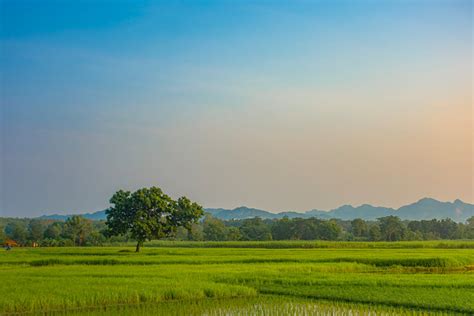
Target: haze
(274, 105)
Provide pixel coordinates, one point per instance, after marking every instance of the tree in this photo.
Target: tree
(469, 227)
(2, 234)
(214, 229)
(255, 229)
(233, 234)
(16, 231)
(35, 230)
(447, 228)
(328, 230)
(95, 238)
(195, 233)
(53, 231)
(470, 221)
(149, 214)
(305, 229)
(77, 228)
(391, 227)
(282, 229)
(374, 233)
(359, 227)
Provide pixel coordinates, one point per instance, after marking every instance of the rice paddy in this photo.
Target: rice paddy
(270, 278)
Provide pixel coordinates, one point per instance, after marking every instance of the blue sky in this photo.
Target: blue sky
(273, 104)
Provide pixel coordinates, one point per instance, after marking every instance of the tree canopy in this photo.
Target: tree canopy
(76, 228)
(83, 232)
(148, 214)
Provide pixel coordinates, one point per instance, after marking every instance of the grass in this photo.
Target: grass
(385, 276)
(262, 305)
(444, 244)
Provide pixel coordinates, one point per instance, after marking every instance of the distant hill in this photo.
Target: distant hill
(96, 216)
(365, 211)
(426, 209)
(240, 213)
(430, 208)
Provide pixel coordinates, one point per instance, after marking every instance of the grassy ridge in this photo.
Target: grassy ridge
(426, 278)
(442, 244)
(420, 258)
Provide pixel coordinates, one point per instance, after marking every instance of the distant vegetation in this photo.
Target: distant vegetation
(78, 231)
(149, 214)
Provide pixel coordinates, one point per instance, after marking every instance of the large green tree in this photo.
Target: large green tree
(148, 214)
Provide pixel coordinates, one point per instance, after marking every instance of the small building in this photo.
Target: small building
(10, 243)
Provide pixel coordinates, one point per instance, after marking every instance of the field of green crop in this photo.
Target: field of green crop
(241, 278)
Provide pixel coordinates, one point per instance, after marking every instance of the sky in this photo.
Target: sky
(279, 105)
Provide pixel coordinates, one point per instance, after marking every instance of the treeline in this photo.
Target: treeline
(78, 231)
(75, 231)
(389, 228)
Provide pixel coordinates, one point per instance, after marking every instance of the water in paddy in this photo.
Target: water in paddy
(274, 306)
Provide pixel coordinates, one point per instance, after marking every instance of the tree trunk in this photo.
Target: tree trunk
(137, 249)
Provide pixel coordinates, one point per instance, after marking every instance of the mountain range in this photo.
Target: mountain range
(424, 209)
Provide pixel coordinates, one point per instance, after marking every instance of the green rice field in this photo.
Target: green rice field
(242, 278)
